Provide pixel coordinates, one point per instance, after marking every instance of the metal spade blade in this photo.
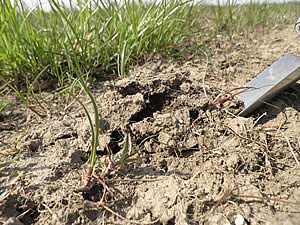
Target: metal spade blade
(270, 82)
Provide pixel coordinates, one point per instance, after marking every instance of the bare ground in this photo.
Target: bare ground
(198, 163)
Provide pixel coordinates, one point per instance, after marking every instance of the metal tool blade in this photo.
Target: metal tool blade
(270, 82)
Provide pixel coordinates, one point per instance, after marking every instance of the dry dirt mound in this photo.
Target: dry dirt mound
(199, 163)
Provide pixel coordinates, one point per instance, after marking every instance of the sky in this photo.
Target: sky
(32, 3)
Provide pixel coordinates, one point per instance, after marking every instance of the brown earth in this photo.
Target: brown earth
(198, 162)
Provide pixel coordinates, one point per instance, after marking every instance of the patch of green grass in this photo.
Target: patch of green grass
(110, 37)
(106, 35)
(232, 18)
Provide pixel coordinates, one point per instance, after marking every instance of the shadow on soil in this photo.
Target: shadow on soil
(290, 98)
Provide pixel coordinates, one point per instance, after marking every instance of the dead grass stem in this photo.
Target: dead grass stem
(291, 150)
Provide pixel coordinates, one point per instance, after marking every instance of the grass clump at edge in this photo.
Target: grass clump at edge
(108, 35)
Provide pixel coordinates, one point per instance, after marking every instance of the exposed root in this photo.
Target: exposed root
(89, 180)
(229, 95)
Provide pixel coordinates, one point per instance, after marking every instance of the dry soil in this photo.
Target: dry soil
(197, 162)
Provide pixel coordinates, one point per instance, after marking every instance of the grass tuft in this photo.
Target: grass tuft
(109, 36)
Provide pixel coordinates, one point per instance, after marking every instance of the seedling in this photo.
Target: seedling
(89, 178)
(126, 155)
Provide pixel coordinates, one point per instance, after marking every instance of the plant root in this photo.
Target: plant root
(89, 180)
